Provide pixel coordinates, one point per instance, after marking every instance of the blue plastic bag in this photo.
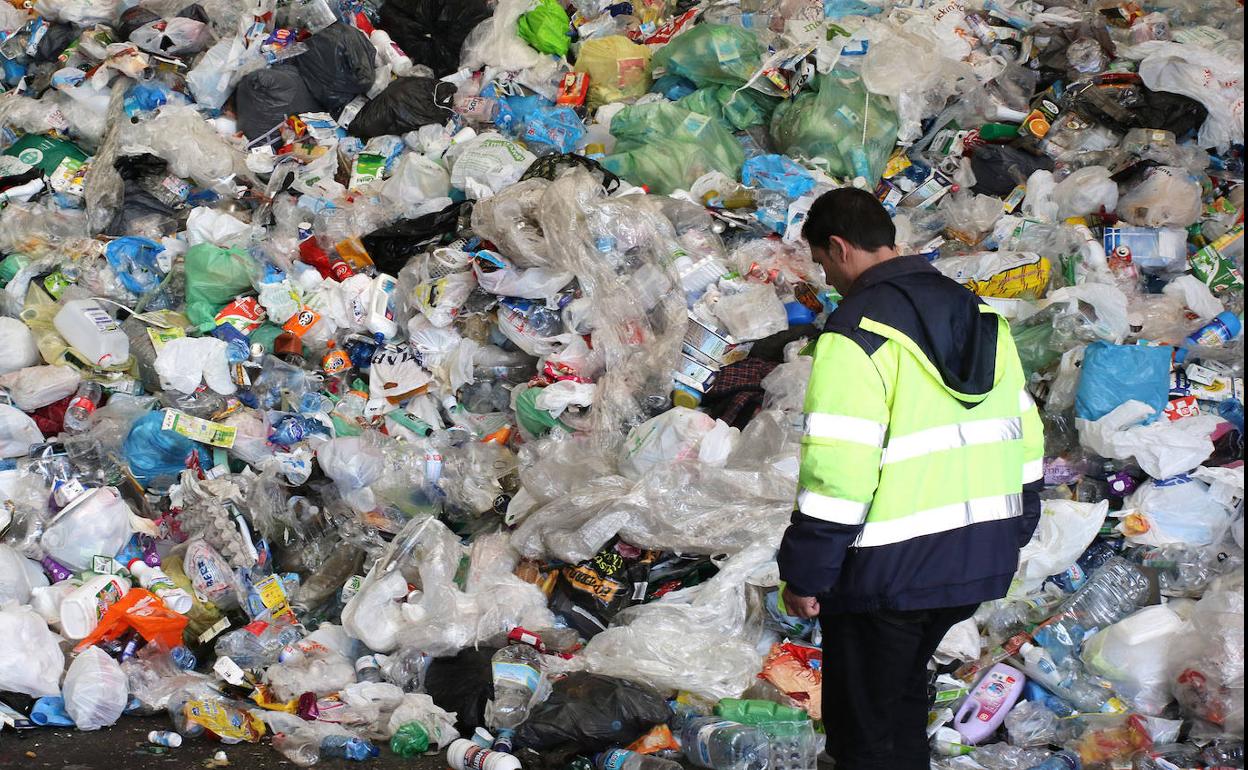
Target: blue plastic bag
(559, 128)
(779, 173)
(133, 259)
(155, 453)
(1115, 374)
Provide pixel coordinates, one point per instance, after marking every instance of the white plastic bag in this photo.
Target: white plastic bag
(1177, 510)
(416, 178)
(18, 344)
(82, 13)
(1086, 191)
(558, 396)
(18, 576)
(671, 437)
(1167, 197)
(752, 313)
(353, 463)
(486, 164)
(96, 690)
(1134, 654)
(205, 225)
(37, 386)
(1065, 530)
(495, 42)
(31, 660)
(1195, 295)
(1108, 302)
(1162, 449)
(1196, 72)
(186, 362)
(17, 432)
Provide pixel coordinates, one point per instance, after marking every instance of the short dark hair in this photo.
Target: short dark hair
(852, 214)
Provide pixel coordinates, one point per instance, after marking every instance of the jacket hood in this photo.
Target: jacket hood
(954, 330)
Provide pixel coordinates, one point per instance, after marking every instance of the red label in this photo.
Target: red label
(1182, 407)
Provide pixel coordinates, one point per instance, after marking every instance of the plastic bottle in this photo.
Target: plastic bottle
(410, 740)
(718, 744)
(155, 580)
(623, 759)
(89, 329)
(257, 644)
(985, 708)
(82, 609)
(348, 747)
(518, 676)
(754, 711)
(400, 63)
(164, 738)
(1223, 328)
(368, 668)
(1114, 591)
(463, 754)
(1074, 686)
(1062, 760)
(82, 406)
(381, 308)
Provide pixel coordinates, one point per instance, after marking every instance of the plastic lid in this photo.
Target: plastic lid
(684, 398)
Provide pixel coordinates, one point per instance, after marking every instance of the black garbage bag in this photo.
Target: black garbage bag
(592, 712)
(405, 105)
(393, 245)
(1000, 168)
(462, 684)
(265, 98)
(1126, 105)
(338, 66)
(140, 210)
(54, 41)
(431, 32)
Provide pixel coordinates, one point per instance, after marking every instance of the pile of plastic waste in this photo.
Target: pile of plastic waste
(427, 375)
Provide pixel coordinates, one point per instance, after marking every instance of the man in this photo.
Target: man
(919, 481)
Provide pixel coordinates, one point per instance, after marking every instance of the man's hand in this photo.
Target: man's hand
(801, 606)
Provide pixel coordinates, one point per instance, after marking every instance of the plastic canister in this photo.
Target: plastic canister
(991, 699)
(381, 309)
(89, 329)
(463, 754)
(82, 609)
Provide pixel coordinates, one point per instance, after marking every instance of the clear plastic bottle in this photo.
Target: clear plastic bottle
(257, 644)
(1071, 684)
(519, 680)
(83, 405)
(1114, 591)
(623, 759)
(1062, 760)
(718, 744)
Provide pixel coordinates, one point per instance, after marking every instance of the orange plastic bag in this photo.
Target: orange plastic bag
(795, 671)
(143, 611)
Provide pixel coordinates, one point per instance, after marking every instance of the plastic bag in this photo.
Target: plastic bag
(17, 432)
(592, 713)
(1167, 197)
(266, 97)
(753, 313)
(1031, 724)
(495, 42)
(83, 13)
(214, 276)
(1115, 374)
(713, 54)
(20, 349)
(671, 437)
(617, 67)
(1134, 655)
(667, 148)
(1065, 530)
(338, 66)
(1196, 72)
(417, 179)
(405, 105)
(1208, 660)
(545, 28)
(1086, 191)
(509, 220)
(31, 660)
(916, 75)
(1178, 510)
(95, 690)
(487, 164)
(432, 32)
(1162, 449)
(37, 386)
(19, 576)
(837, 123)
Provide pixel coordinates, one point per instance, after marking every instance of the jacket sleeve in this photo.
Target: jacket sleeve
(1033, 465)
(846, 423)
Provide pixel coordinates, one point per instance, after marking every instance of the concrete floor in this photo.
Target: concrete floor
(124, 746)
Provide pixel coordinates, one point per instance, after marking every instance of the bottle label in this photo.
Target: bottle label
(160, 337)
(103, 321)
(83, 403)
(517, 673)
(614, 759)
(475, 757)
(199, 429)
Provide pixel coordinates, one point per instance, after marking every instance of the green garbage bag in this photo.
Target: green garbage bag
(537, 422)
(214, 276)
(666, 147)
(836, 121)
(545, 28)
(738, 108)
(712, 54)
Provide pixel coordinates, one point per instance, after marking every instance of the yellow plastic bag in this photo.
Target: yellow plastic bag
(617, 67)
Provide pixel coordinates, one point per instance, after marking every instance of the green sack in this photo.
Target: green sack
(545, 28)
(740, 109)
(214, 276)
(537, 422)
(666, 147)
(838, 124)
(712, 54)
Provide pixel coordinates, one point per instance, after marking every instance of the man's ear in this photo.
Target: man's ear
(838, 249)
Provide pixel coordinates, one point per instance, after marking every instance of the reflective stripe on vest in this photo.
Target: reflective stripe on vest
(942, 519)
(945, 437)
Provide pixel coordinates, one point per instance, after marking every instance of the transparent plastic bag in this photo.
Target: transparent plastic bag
(1166, 197)
(1086, 191)
(95, 690)
(1065, 530)
(1031, 724)
(31, 660)
(752, 313)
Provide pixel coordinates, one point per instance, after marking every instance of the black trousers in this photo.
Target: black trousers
(875, 685)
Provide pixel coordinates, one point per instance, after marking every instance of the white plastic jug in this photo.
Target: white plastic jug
(89, 329)
(97, 523)
(82, 609)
